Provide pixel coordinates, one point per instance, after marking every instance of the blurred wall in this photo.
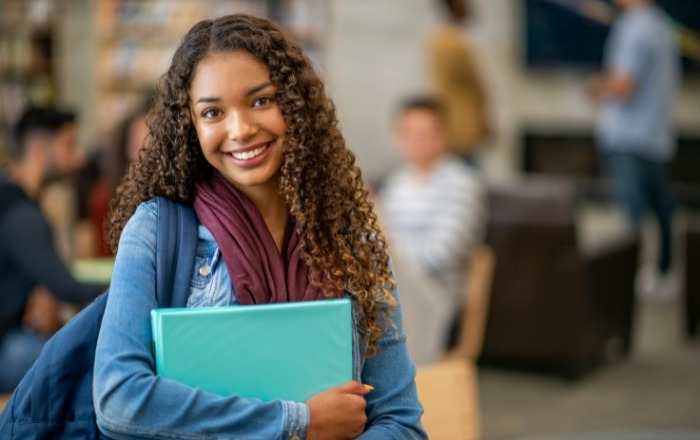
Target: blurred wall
(76, 64)
(375, 56)
(374, 59)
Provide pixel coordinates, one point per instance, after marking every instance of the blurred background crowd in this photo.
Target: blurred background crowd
(533, 163)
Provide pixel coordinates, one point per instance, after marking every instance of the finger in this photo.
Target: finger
(352, 387)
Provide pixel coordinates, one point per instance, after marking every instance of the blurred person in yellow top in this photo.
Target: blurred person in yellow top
(456, 80)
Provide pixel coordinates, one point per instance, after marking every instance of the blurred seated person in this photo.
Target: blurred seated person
(433, 207)
(98, 179)
(43, 148)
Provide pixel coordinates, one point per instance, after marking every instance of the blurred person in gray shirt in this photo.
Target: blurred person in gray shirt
(635, 133)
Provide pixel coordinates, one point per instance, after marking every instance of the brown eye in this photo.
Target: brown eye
(261, 101)
(211, 113)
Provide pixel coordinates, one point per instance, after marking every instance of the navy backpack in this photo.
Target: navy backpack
(54, 399)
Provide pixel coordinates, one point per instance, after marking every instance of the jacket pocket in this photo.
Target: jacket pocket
(206, 261)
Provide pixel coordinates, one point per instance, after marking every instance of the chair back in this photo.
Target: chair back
(448, 391)
(477, 295)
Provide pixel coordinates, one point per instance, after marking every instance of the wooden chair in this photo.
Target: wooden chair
(477, 294)
(449, 393)
(448, 389)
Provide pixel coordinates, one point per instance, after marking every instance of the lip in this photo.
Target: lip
(251, 163)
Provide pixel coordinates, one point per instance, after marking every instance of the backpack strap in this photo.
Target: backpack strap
(176, 246)
(55, 397)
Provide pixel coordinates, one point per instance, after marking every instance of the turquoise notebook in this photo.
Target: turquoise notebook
(288, 351)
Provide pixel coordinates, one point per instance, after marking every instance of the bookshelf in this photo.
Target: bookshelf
(27, 62)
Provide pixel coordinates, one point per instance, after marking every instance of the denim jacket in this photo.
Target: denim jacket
(132, 402)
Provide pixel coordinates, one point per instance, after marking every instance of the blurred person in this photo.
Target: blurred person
(433, 207)
(99, 177)
(455, 78)
(636, 92)
(32, 275)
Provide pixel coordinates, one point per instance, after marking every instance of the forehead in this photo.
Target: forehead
(419, 115)
(221, 72)
(68, 130)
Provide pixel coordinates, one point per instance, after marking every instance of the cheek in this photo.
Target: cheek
(436, 143)
(283, 127)
(64, 156)
(206, 135)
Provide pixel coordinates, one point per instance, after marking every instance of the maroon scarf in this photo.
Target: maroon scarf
(258, 272)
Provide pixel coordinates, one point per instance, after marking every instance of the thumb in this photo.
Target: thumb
(352, 387)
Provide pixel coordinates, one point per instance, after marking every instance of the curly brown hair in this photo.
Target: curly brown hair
(322, 187)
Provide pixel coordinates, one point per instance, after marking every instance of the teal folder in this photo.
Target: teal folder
(288, 351)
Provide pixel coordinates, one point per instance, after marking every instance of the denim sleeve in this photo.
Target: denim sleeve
(393, 409)
(130, 400)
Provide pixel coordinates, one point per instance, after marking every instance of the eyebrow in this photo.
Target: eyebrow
(208, 99)
(248, 92)
(258, 88)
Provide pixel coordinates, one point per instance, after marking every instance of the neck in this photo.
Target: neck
(26, 177)
(272, 208)
(426, 167)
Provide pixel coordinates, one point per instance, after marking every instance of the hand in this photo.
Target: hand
(594, 89)
(337, 413)
(42, 312)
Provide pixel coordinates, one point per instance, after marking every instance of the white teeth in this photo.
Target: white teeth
(246, 155)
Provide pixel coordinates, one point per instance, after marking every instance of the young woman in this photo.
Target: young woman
(243, 131)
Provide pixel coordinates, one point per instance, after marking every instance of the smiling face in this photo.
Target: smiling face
(239, 125)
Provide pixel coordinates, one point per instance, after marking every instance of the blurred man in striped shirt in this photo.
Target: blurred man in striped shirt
(433, 208)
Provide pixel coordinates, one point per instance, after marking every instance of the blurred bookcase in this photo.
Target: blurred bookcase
(27, 62)
(135, 41)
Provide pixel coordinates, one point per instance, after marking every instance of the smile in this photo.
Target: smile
(251, 154)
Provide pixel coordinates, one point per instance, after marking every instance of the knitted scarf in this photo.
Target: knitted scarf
(259, 273)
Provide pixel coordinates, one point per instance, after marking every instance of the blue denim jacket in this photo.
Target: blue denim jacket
(132, 402)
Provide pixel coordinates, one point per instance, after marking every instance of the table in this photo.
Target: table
(93, 270)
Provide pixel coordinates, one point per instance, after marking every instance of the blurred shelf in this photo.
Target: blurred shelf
(137, 38)
(27, 29)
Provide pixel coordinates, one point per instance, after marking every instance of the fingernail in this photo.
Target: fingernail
(368, 387)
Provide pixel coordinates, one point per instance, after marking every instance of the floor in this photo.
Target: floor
(656, 388)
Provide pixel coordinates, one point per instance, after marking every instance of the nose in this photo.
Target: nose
(240, 126)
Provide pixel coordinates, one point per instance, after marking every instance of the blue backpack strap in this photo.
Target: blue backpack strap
(176, 246)
(54, 399)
